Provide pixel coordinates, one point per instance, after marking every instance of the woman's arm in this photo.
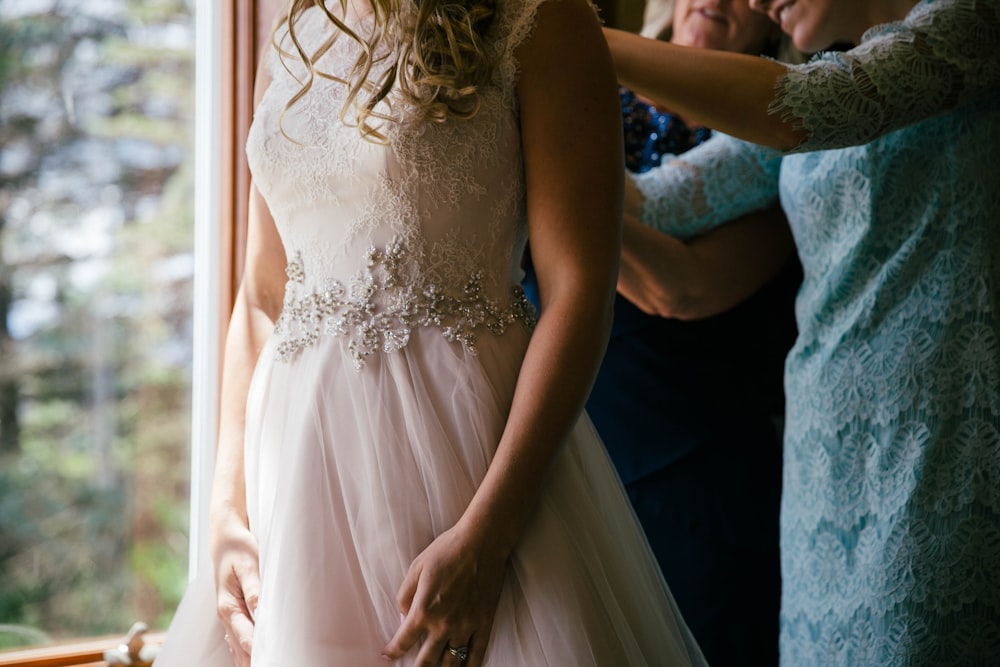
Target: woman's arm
(720, 180)
(570, 117)
(706, 275)
(567, 91)
(257, 305)
(729, 92)
(941, 55)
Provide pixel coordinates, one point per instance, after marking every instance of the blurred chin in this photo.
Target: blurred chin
(806, 39)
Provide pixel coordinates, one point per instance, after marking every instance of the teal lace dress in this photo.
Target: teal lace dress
(890, 521)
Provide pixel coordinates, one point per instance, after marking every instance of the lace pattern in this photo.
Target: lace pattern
(434, 164)
(380, 307)
(439, 207)
(846, 99)
(681, 202)
(891, 493)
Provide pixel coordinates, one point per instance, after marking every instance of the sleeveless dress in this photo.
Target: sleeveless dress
(890, 520)
(378, 402)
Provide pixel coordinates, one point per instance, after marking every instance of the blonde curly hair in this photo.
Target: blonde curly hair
(436, 53)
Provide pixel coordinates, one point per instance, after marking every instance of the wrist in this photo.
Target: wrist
(486, 534)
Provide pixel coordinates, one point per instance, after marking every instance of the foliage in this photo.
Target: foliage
(96, 230)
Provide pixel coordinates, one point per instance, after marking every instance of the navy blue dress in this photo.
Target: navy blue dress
(691, 414)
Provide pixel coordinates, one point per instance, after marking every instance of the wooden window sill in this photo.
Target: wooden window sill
(89, 653)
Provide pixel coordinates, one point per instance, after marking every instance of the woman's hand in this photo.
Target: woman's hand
(237, 584)
(449, 598)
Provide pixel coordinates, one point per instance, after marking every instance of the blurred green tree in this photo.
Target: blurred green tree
(96, 229)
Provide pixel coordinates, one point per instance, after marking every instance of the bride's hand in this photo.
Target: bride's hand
(237, 584)
(449, 599)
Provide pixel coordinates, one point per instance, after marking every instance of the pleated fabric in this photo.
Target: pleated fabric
(351, 475)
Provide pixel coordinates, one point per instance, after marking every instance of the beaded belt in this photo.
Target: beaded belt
(380, 308)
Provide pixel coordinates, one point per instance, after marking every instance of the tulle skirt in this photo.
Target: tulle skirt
(352, 473)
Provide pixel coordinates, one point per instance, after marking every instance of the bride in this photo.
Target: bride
(403, 471)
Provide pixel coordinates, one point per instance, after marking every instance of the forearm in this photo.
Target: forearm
(656, 271)
(248, 330)
(708, 274)
(556, 375)
(729, 92)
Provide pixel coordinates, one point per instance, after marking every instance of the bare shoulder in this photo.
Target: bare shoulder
(566, 50)
(562, 29)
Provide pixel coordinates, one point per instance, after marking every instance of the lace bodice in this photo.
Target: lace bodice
(846, 99)
(891, 493)
(425, 230)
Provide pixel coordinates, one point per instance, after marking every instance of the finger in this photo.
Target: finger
(432, 652)
(239, 657)
(408, 589)
(406, 636)
(250, 584)
(477, 652)
(241, 634)
(412, 623)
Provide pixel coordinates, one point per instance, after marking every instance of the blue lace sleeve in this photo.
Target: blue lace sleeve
(713, 183)
(944, 53)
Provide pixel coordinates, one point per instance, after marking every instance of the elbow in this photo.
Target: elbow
(685, 305)
(792, 138)
(693, 304)
(678, 307)
(599, 317)
(659, 303)
(268, 302)
(675, 309)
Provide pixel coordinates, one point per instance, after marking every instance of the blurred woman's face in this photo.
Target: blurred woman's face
(726, 25)
(814, 25)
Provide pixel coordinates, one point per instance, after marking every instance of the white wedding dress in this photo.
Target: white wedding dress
(376, 406)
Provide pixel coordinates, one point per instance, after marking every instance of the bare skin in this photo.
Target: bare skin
(730, 92)
(257, 306)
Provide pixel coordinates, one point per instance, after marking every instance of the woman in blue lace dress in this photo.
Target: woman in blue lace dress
(885, 159)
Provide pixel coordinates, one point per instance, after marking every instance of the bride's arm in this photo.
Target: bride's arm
(571, 137)
(257, 305)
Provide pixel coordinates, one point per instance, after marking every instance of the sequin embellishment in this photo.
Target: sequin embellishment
(380, 307)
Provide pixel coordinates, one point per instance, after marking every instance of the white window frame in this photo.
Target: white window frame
(205, 371)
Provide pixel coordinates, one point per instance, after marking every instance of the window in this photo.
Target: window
(97, 268)
(97, 108)
(228, 37)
